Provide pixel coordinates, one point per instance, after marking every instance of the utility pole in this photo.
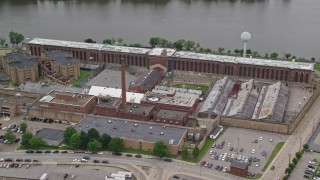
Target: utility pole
(238, 146)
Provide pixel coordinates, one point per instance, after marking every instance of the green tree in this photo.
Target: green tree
(10, 136)
(25, 140)
(154, 41)
(292, 166)
(84, 140)
(298, 155)
(120, 41)
(15, 38)
(67, 134)
(179, 45)
(94, 146)
(196, 152)
(220, 50)
(2, 42)
(75, 141)
(135, 45)
(274, 55)
(35, 142)
(288, 171)
(116, 144)
(306, 147)
(89, 40)
(313, 59)
(23, 127)
(105, 140)
(293, 57)
(255, 54)
(295, 160)
(248, 51)
(237, 51)
(93, 134)
(184, 152)
(160, 149)
(287, 55)
(229, 52)
(197, 47)
(189, 45)
(266, 56)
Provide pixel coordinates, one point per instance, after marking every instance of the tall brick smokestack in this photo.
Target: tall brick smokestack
(123, 84)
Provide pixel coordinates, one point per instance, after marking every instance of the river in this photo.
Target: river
(283, 26)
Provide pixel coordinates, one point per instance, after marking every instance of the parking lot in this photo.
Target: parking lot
(301, 169)
(252, 143)
(33, 127)
(58, 172)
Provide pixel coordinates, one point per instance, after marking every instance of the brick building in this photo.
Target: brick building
(171, 60)
(172, 117)
(60, 66)
(146, 82)
(135, 134)
(20, 67)
(239, 168)
(68, 102)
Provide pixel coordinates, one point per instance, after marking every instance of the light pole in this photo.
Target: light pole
(238, 146)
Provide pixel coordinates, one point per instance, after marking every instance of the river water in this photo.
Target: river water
(283, 26)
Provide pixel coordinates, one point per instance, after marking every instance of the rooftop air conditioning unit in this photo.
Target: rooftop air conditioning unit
(135, 125)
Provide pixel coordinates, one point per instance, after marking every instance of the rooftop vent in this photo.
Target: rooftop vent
(164, 127)
(115, 127)
(150, 128)
(126, 122)
(161, 133)
(135, 125)
(109, 121)
(133, 130)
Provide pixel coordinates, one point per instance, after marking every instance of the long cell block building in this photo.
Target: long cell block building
(167, 59)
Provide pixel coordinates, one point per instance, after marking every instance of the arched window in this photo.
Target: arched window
(296, 77)
(286, 76)
(262, 73)
(245, 71)
(182, 64)
(179, 68)
(253, 72)
(196, 66)
(277, 73)
(240, 71)
(212, 67)
(200, 67)
(307, 78)
(249, 71)
(281, 75)
(174, 64)
(218, 68)
(209, 68)
(301, 77)
(258, 73)
(272, 73)
(267, 76)
(187, 64)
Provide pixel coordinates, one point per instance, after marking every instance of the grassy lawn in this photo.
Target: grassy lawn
(207, 145)
(83, 75)
(193, 86)
(139, 151)
(317, 67)
(273, 155)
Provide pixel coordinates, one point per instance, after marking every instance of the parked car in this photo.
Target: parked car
(213, 145)
(138, 156)
(118, 153)
(241, 149)
(96, 161)
(217, 167)
(264, 153)
(203, 163)
(105, 162)
(168, 160)
(48, 151)
(55, 151)
(272, 168)
(129, 155)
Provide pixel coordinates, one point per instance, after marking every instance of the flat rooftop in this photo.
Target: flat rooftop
(7, 100)
(20, 60)
(73, 98)
(171, 114)
(111, 102)
(125, 49)
(176, 100)
(160, 51)
(42, 88)
(148, 79)
(60, 57)
(177, 91)
(131, 129)
(138, 109)
(241, 60)
(50, 134)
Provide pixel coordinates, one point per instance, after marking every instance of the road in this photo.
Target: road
(301, 133)
(161, 170)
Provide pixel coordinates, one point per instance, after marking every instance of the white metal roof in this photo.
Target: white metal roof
(113, 92)
(241, 60)
(158, 51)
(125, 49)
(71, 44)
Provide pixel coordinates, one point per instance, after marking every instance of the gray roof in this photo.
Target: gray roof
(50, 134)
(148, 79)
(171, 114)
(59, 57)
(45, 88)
(242, 60)
(239, 165)
(20, 60)
(125, 129)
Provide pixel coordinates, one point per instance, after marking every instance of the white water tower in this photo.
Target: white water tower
(245, 37)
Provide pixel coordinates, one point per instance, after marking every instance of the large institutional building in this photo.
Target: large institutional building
(169, 59)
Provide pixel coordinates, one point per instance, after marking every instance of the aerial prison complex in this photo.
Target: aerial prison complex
(148, 111)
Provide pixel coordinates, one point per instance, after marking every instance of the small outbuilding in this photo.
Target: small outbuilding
(239, 168)
(51, 136)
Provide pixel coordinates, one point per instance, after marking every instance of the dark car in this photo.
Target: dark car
(272, 168)
(217, 167)
(231, 148)
(306, 176)
(311, 166)
(65, 176)
(241, 149)
(86, 157)
(176, 177)
(210, 165)
(105, 162)
(17, 140)
(118, 153)
(47, 151)
(55, 152)
(8, 160)
(254, 159)
(19, 160)
(138, 156)
(168, 160)
(308, 172)
(39, 152)
(129, 155)
(64, 152)
(29, 151)
(27, 160)
(96, 161)
(221, 167)
(35, 160)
